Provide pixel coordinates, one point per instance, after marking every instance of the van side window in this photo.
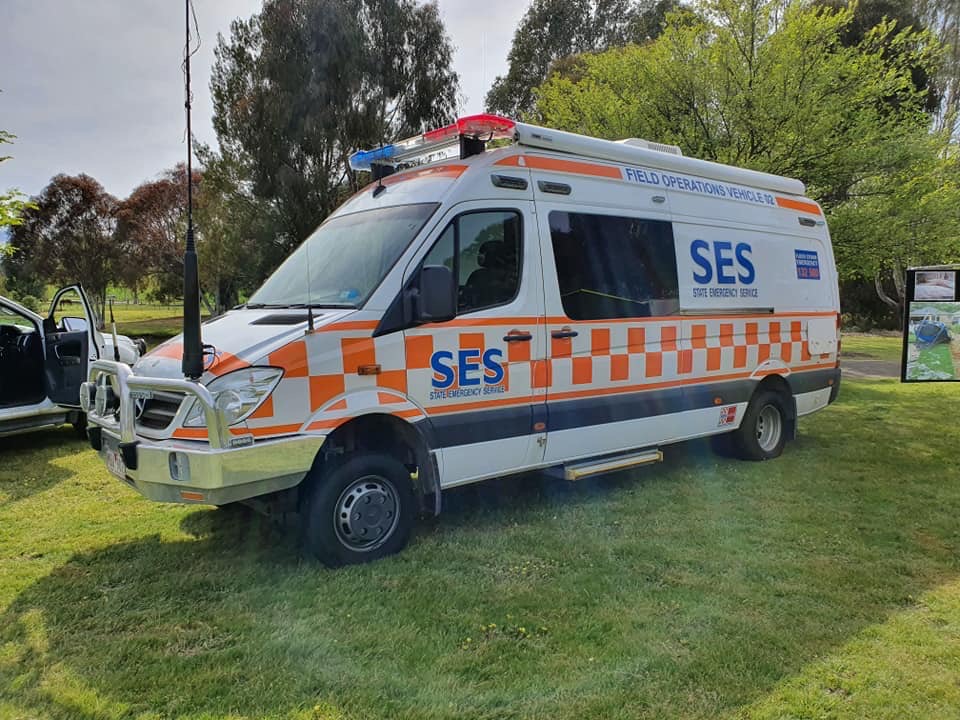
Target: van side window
(614, 267)
(483, 249)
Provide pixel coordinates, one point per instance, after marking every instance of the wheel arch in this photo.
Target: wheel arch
(778, 383)
(381, 432)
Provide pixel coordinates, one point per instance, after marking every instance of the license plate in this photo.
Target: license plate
(113, 459)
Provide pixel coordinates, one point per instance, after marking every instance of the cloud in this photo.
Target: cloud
(96, 87)
(481, 32)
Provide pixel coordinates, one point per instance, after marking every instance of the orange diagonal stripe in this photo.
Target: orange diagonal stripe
(801, 205)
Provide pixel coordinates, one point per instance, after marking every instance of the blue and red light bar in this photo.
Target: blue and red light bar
(495, 126)
(489, 127)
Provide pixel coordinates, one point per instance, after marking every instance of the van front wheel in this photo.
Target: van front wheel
(762, 434)
(361, 509)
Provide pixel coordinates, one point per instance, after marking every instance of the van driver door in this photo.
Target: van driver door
(476, 375)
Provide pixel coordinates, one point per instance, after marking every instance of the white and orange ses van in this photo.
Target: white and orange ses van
(561, 302)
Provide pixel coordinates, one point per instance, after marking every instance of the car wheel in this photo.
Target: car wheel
(763, 432)
(360, 509)
(80, 425)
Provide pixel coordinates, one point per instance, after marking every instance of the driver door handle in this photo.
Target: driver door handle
(65, 360)
(518, 336)
(563, 333)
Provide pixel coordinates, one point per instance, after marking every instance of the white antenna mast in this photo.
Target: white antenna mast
(309, 295)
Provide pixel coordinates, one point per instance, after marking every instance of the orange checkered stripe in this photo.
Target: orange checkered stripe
(331, 379)
(322, 385)
(480, 335)
(653, 353)
(351, 406)
(220, 364)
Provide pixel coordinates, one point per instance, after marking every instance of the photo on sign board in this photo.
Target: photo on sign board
(935, 285)
(933, 341)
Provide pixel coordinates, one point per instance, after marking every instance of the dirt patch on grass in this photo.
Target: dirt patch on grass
(869, 368)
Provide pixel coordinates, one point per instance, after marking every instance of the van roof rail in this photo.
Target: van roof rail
(651, 145)
(646, 153)
(444, 143)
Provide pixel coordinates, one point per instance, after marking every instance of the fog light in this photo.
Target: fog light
(88, 391)
(179, 467)
(105, 400)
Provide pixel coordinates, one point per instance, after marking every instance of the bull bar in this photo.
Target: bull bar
(218, 470)
(127, 382)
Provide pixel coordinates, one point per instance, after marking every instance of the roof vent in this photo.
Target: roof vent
(648, 145)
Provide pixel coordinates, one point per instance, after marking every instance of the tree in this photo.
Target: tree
(238, 243)
(868, 14)
(12, 202)
(302, 84)
(67, 237)
(756, 88)
(774, 87)
(554, 30)
(151, 231)
(905, 218)
(943, 18)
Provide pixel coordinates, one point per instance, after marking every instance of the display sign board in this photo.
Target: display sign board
(931, 325)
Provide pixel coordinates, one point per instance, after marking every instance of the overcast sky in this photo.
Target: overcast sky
(96, 86)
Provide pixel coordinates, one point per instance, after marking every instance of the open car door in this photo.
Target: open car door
(69, 345)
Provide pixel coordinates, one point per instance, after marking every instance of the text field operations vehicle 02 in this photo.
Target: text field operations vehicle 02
(561, 302)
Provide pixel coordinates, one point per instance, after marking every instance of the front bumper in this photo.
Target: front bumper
(216, 471)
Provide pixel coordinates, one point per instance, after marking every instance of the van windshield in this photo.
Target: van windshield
(347, 257)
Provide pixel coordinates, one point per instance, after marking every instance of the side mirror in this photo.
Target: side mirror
(74, 324)
(436, 299)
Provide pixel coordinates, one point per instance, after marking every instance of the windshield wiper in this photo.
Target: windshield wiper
(334, 306)
(298, 306)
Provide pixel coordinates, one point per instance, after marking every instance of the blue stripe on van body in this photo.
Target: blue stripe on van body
(600, 410)
(804, 382)
(478, 426)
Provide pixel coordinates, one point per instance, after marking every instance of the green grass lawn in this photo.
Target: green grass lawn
(934, 361)
(823, 584)
(156, 323)
(138, 313)
(869, 346)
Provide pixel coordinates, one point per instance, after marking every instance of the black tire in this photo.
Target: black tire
(763, 432)
(722, 445)
(80, 425)
(381, 485)
(230, 506)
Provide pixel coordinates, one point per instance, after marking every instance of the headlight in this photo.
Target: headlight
(237, 394)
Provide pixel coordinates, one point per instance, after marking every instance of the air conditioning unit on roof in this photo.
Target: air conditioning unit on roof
(648, 145)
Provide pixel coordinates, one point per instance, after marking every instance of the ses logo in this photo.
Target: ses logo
(720, 264)
(467, 373)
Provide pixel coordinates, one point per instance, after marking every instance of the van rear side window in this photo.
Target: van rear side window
(614, 267)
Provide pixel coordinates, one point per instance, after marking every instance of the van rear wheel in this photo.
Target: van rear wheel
(361, 509)
(762, 434)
